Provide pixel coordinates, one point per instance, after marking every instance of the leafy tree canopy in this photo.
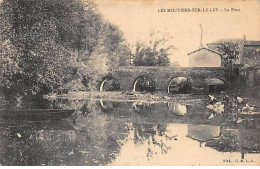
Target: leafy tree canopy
(46, 44)
(230, 51)
(156, 53)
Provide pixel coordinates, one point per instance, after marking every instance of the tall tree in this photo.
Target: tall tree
(43, 32)
(230, 51)
(111, 50)
(46, 44)
(156, 53)
(113, 44)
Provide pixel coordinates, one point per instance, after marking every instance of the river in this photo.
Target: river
(104, 132)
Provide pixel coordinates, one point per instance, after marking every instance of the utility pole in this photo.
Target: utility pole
(130, 61)
(201, 36)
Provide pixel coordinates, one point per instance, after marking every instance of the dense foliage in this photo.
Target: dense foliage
(155, 54)
(230, 51)
(51, 44)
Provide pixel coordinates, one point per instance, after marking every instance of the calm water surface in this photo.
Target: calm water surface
(103, 132)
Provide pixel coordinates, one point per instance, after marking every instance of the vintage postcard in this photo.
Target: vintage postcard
(129, 83)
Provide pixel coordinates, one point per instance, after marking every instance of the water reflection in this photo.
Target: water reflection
(127, 133)
(236, 140)
(35, 114)
(143, 106)
(177, 109)
(107, 106)
(203, 133)
(152, 135)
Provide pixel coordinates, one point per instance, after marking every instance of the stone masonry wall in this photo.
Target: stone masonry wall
(127, 76)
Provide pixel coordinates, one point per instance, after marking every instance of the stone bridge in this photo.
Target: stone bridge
(162, 76)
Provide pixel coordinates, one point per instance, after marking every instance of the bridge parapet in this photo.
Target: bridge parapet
(164, 68)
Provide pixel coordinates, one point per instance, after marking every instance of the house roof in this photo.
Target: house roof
(225, 40)
(206, 49)
(246, 42)
(252, 43)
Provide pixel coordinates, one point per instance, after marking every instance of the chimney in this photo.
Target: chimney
(244, 38)
(241, 59)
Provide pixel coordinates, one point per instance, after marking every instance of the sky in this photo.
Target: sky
(135, 18)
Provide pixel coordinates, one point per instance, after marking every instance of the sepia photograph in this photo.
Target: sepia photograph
(129, 82)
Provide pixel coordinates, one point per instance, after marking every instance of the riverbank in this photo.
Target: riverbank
(134, 96)
(152, 97)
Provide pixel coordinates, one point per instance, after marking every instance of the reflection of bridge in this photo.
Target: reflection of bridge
(162, 76)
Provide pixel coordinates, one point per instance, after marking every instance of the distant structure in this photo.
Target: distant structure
(249, 51)
(246, 69)
(205, 57)
(248, 64)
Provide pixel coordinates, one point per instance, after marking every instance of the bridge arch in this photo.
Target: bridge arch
(215, 84)
(109, 84)
(101, 88)
(178, 84)
(144, 83)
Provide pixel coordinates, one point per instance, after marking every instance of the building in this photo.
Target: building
(252, 75)
(205, 57)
